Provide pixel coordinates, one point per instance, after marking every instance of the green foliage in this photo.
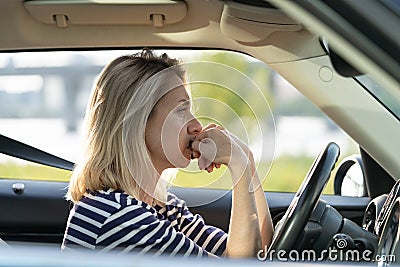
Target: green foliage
(285, 175)
(228, 87)
(31, 171)
(288, 172)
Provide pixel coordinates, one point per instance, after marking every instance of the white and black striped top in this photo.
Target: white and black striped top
(106, 220)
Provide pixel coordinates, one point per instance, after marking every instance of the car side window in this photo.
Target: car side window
(14, 168)
(284, 130)
(43, 96)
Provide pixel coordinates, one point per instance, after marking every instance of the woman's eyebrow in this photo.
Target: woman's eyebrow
(184, 101)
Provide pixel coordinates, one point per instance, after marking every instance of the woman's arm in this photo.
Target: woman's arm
(264, 216)
(244, 236)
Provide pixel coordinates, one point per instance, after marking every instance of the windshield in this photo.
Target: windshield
(390, 99)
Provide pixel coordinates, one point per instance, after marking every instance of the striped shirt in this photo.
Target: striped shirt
(112, 219)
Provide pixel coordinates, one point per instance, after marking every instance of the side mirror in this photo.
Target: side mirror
(349, 178)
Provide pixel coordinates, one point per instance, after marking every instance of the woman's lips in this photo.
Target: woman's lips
(191, 149)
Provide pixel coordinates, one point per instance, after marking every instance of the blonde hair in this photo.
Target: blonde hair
(122, 101)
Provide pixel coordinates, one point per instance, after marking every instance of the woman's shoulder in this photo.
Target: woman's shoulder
(112, 200)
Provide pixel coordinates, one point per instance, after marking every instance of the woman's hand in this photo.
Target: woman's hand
(243, 146)
(215, 146)
(196, 154)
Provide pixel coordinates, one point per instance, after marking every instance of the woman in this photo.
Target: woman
(138, 124)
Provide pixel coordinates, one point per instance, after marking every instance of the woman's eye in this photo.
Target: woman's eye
(185, 106)
(182, 109)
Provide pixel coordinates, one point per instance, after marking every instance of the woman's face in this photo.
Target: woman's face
(171, 129)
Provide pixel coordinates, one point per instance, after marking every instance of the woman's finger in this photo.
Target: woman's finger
(196, 154)
(196, 146)
(202, 135)
(211, 125)
(203, 163)
(205, 133)
(211, 167)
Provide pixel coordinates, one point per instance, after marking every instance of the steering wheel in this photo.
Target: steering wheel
(305, 200)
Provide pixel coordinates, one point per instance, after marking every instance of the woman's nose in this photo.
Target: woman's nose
(194, 126)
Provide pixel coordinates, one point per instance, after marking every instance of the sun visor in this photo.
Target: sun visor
(252, 24)
(97, 12)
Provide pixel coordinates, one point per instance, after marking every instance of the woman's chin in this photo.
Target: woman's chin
(186, 158)
(185, 163)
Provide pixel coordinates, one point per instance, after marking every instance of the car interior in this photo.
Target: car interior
(294, 39)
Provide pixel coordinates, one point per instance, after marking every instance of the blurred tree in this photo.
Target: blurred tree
(231, 89)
